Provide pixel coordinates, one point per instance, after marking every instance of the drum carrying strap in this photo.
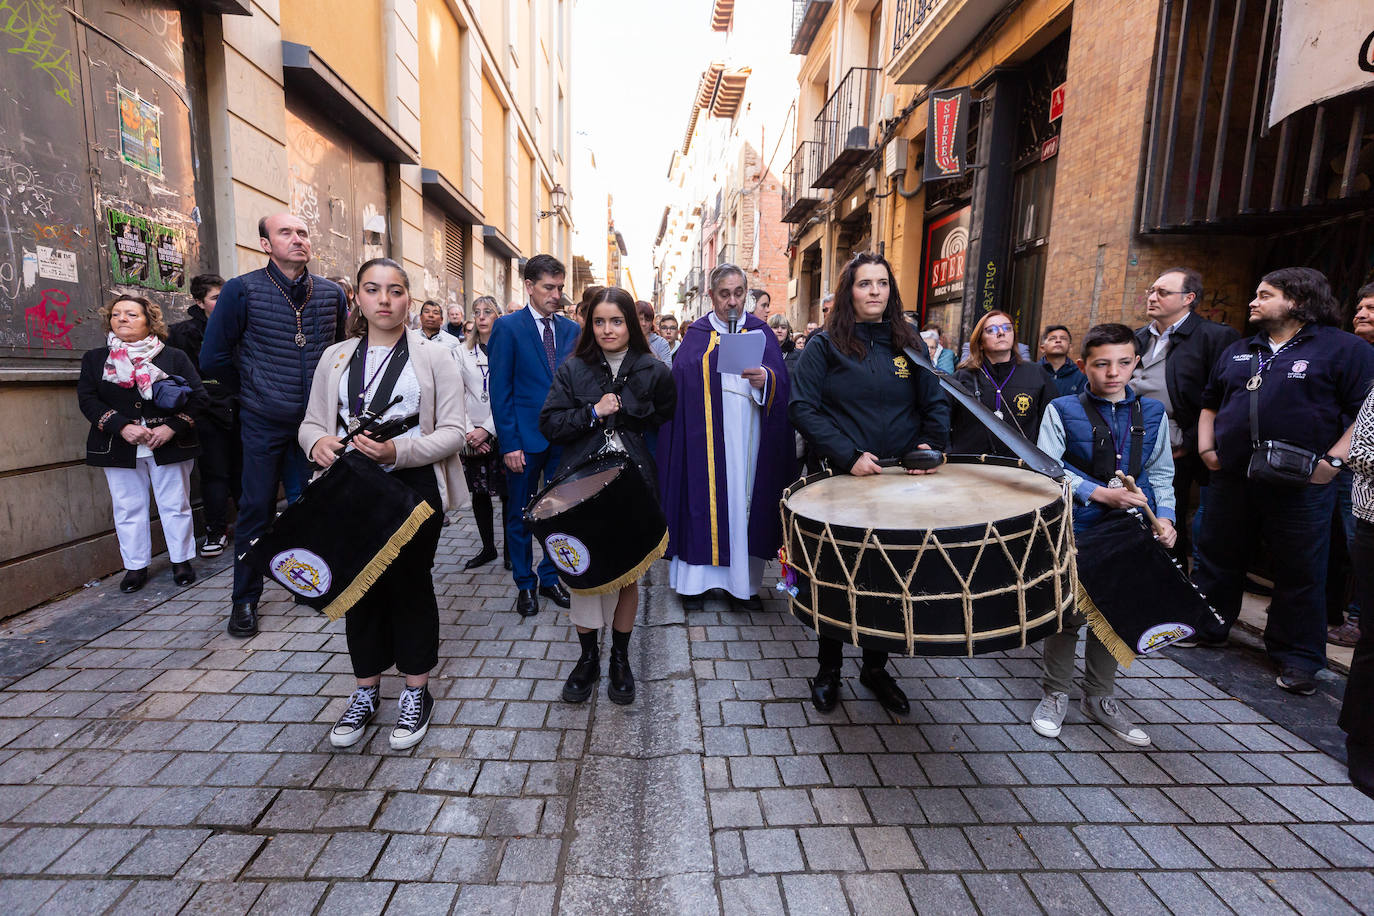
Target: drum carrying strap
(381, 394)
(1104, 440)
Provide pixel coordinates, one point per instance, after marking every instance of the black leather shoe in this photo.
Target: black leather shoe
(482, 559)
(825, 689)
(133, 580)
(183, 574)
(243, 619)
(526, 604)
(622, 687)
(693, 602)
(886, 690)
(582, 681)
(557, 594)
(506, 563)
(755, 603)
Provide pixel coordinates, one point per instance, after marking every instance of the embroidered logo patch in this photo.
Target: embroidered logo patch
(568, 553)
(303, 571)
(1299, 365)
(1022, 403)
(902, 368)
(1161, 635)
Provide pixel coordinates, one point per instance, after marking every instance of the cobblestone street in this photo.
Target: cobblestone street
(152, 764)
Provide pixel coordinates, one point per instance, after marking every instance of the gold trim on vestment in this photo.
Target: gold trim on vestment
(711, 448)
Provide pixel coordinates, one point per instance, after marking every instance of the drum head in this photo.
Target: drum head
(958, 495)
(577, 488)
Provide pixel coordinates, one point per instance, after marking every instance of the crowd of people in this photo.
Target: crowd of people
(1253, 452)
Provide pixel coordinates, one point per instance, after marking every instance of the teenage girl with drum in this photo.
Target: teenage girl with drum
(397, 621)
(611, 391)
(1015, 389)
(482, 465)
(857, 399)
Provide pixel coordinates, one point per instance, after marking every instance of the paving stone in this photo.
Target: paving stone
(751, 897)
(356, 898)
(822, 895)
(220, 858)
(999, 893)
(529, 860)
(1184, 892)
(945, 849)
(348, 855)
(98, 852)
(1062, 894)
(830, 849)
(90, 896)
(409, 858)
(285, 898)
(468, 861)
(154, 898)
(287, 855)
(224, 899)
(162, 853)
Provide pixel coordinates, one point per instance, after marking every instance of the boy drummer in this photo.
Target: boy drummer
(1105, 429)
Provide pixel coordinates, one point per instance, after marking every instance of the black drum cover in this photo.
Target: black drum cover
(601, 524)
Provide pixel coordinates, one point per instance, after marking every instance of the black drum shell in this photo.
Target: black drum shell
(941, 617)
(621, 524)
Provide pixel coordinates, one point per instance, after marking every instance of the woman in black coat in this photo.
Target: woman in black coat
(1015, 389)
(139, 443)
(611, 384)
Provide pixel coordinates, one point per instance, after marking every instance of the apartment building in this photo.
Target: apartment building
(1107, 140)
(141, 140)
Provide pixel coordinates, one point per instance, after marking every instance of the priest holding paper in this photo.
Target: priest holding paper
(727, 453)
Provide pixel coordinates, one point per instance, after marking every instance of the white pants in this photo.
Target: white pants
(171, 484)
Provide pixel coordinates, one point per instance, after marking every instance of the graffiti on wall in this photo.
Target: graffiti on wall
(29, 28)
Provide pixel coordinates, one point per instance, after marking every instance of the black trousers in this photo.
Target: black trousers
(1188, 472)
(1357, 710)
(221, 471)
(830, 654)
(397, 621)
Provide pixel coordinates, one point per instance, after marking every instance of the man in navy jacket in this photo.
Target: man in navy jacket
(265, 336)
(526, 347)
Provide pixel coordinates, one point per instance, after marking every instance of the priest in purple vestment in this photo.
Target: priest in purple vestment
(725, 456)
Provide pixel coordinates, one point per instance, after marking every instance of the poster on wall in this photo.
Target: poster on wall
(130, 258)
(945, 251)
(146, 253)
(140, 132)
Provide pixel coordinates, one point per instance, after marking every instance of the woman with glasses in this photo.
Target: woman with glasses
(1012, 387)
(482, 466)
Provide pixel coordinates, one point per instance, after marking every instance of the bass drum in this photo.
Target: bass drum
(601, 525)
(978, 557)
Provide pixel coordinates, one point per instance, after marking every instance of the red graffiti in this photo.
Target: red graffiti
(48, 320)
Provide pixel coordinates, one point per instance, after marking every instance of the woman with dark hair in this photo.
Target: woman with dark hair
(396, 623)
(858, 399)
(1015, 389)
(611, 384)
(138, 441)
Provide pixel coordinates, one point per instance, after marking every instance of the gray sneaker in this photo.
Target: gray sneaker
(1048, 718)
(1106, 712)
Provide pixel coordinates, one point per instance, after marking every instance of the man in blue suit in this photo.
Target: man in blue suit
(526, 347)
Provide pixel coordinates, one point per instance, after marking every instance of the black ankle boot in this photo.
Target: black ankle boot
(622, 687)
(586, 672)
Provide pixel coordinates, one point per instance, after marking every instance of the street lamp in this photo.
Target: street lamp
(559, 198)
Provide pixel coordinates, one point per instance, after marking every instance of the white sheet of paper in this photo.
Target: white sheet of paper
(740, 351)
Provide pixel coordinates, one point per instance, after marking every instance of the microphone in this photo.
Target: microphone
(734, 321)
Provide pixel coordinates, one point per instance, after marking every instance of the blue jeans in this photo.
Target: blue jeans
(269, 448)
(1296, 522)
(295, 472)
(520, 489)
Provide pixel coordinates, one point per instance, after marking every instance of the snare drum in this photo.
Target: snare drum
(976, 558)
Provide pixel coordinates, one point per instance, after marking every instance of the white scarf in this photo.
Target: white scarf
(131, 364)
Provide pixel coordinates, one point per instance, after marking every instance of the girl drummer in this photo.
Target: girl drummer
(611, 390)
(1015, 389)
(482, 465)
(397, 621)
(858, 399)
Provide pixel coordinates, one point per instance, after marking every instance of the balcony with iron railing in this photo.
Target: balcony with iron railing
(843, 127)
(807, 16)
(798, 197)
(726, 254)
(929, 34)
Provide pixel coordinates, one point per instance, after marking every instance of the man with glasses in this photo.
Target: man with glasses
(1178, 349)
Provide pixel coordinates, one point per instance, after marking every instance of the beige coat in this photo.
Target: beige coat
(443, 411)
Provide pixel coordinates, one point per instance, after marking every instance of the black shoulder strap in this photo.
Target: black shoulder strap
(1104, 444)
(1254, 399)
(1137, 462)
(382, 393)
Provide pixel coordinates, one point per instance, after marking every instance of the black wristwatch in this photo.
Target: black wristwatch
(1337, 463)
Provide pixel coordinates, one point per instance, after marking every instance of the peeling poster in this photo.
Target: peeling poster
(56, 264)
(140, 132)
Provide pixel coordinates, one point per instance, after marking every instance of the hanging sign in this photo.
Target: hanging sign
(1057, 102)
(947, 134)
(1326, 49)
(945, 252)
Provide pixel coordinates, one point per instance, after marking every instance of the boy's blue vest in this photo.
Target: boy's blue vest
(1078, 443)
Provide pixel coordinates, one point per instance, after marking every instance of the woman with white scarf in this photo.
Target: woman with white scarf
(142, 398)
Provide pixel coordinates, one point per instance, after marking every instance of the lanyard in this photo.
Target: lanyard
(998, 388)
(1256, 380)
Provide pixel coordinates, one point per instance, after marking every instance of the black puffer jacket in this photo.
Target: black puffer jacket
(648, 398)
(1024, 398)
(187, 336)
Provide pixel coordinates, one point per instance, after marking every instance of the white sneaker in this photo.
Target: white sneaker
(1048, 718)
(1105, 712)
(413, 721)
(352, 725)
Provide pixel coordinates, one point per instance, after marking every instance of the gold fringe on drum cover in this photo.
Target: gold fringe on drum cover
(370, 573)
(1045, 537)
(632, 576)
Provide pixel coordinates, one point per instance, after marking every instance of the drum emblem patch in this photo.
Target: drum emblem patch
(901, 370)
(303, 571)
(1022, 403)
(568, 553)
(1161, 635)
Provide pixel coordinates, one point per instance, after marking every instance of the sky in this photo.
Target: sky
(636, 64)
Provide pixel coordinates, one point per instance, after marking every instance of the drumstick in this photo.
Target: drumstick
(1130, 483)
